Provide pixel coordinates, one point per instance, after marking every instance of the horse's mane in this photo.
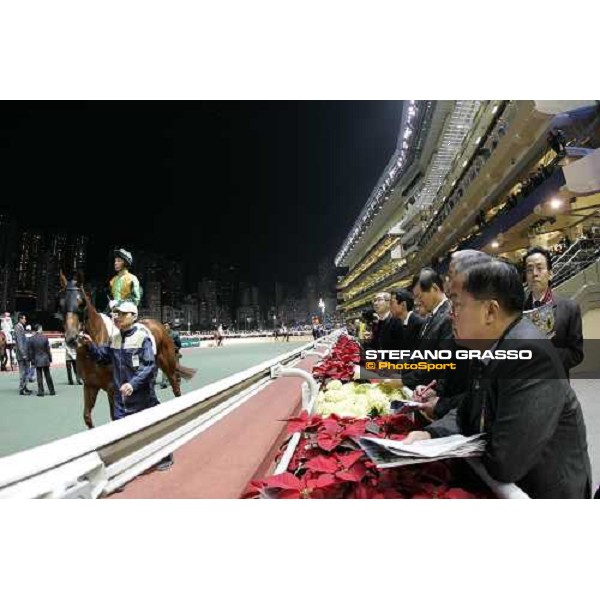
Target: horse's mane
(95, 324)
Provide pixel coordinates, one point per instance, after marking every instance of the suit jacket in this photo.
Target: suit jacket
(412, 331)
(436, 334)
(39, 350)
(532, 419)
(568, 335)
(437, 328)
(388, 335)
(21, 342)
(452, 384)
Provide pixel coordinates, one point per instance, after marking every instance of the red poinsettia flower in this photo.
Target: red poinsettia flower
(254, 489)
(303, 422)
(347, 460)
(340, 362)
(355, 473)
(457, 494)
(290, 486)
(322, 464)
(355, 429)
(364, 491)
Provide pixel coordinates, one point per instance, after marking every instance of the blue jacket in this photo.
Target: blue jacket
(132, 358)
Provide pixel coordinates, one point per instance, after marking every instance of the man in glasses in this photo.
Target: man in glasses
(567, 335)
(387, 331)
(533, 424)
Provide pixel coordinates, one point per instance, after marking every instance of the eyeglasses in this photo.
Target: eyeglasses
(536, 269)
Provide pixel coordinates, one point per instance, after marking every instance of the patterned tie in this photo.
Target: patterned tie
(426, 325)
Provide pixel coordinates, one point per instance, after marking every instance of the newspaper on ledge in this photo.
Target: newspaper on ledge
(393, 453)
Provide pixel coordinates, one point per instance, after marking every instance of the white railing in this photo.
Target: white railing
(95, 462)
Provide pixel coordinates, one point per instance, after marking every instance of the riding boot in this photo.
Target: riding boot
(165, 463)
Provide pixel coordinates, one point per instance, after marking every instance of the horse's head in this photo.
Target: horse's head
(73, 304)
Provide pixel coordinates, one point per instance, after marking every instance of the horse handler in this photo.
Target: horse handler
(134, 367)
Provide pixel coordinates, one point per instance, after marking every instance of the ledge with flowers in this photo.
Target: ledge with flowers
(320, 458)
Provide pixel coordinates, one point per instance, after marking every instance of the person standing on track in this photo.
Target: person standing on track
(71, 360)
(22, 354)
(41, 358)
(132, 357)
(8, 330)
(219, 335)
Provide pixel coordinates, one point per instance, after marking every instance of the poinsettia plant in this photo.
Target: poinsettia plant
(340, 362)
(327, 463)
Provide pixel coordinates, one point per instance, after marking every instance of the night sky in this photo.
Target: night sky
(272, 187)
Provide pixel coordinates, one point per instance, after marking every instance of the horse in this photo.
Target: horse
(80, 314)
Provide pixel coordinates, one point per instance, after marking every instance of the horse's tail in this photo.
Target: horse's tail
(185, 372)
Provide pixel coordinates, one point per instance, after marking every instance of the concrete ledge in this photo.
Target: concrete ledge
(221, 461)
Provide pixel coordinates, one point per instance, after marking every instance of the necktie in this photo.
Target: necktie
(426, 325)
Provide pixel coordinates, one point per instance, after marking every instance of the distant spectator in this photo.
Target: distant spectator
(71, 360)
(567, 336)
(41, 357)
(22, 354)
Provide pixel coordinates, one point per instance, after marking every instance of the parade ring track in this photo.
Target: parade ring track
(28, 421)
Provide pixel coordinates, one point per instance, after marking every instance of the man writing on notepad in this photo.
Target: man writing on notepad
(535, 433)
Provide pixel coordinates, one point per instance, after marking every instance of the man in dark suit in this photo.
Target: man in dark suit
(567, 336)
(535, 432)
(387, 334)
(401, 306)
(436, 332)
(41, 358)
(22, 354)
(452, 384)
(429, 292)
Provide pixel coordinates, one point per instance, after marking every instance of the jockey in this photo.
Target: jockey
(124, 286)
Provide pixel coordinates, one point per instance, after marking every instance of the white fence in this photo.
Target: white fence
(95, 462)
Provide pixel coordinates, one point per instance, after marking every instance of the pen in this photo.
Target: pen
(427, 388)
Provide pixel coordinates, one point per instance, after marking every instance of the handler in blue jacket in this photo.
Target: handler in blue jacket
(134, 367)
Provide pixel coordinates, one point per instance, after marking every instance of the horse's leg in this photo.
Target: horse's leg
(175, 381)
(89, 401)
(168, 364)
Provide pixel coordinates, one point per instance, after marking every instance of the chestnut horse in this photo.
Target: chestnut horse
(80, 314)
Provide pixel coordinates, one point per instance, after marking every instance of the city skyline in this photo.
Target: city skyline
(271, 187)
(31, 260)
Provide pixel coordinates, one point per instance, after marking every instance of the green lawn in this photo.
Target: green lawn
(27, 421)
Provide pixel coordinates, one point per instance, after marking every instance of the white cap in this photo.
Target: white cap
(126, 307)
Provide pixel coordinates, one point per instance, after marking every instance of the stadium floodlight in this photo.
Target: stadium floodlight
(555, 203)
